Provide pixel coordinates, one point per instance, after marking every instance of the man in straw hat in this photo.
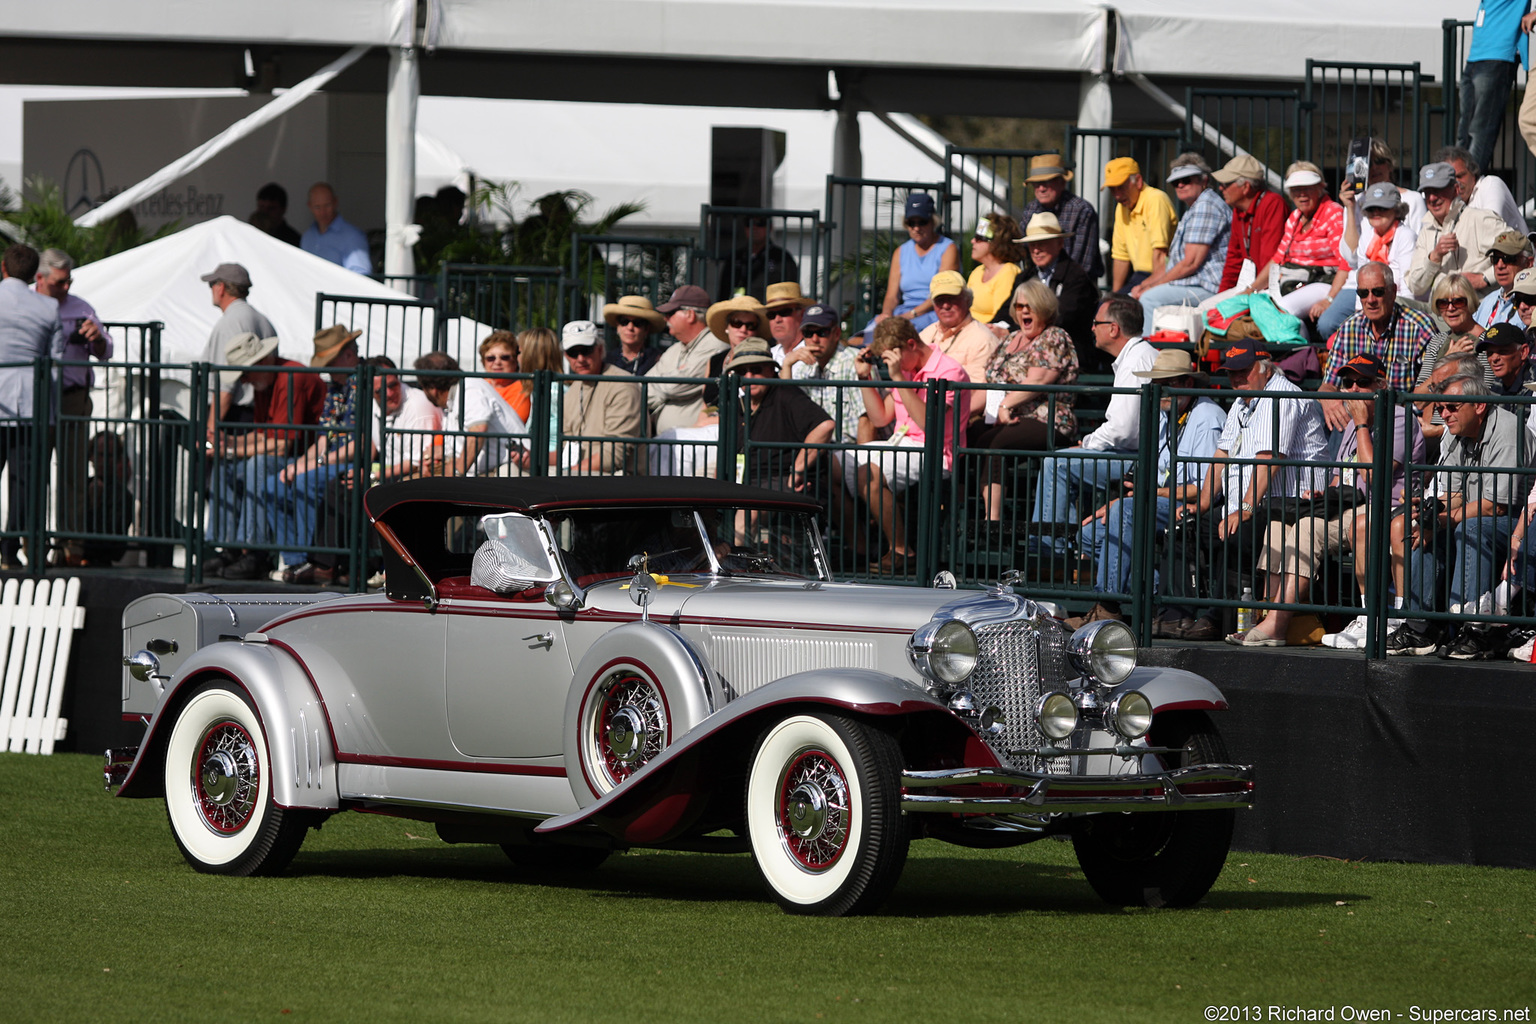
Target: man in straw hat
(635, 322)
(1078, 219)
(784, 307)
(778, 414)
(247, 457)
(1187, 431)
(676, 405)
(1144, 225)
(1076, 294)
(294, 495)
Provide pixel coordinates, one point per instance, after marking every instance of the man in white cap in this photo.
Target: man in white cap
(595, 410)
(1456, 238)
(1198, 253)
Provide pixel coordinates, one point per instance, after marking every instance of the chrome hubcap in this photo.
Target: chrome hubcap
(219, 782)
(807, 810)
(626, 734)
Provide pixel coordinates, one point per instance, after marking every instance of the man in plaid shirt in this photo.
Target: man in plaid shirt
(1078, 218)
(1199, 250)
(1392, 333)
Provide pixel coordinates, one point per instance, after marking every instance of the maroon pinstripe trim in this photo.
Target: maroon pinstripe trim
(481, 767)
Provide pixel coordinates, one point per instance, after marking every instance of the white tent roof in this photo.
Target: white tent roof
(162, 281)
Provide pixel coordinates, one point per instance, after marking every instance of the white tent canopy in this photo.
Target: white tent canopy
(161, 280)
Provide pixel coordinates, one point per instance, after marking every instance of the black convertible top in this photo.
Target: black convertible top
(541, 493)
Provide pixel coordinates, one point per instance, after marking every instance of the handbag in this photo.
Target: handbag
(1295, 275)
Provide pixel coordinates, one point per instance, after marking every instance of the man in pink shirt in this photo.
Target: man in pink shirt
(879, 470)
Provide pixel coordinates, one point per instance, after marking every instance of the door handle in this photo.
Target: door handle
(544, 640)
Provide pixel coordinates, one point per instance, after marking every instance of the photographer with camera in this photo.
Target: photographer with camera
(1462, 521)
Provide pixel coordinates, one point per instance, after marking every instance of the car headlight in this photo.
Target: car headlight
(1105, 650)
(947, 654)
(1056, 715)
(1129, 714)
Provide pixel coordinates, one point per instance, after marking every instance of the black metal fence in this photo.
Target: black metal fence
(746, 249)
(1346, 101)
(865, 227)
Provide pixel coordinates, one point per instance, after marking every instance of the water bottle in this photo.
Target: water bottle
(1245, 611)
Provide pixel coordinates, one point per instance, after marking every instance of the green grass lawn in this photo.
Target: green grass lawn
(377, 920)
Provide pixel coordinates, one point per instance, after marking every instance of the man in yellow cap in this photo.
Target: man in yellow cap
(1144, 225)
(957, 334)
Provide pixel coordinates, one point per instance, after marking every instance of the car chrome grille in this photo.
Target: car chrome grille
(1008, 676)
(748, 660)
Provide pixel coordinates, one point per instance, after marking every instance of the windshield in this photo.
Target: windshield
(599, 543)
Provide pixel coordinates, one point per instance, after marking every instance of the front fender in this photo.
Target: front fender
(1175, 689)
(652, 805)
(300, 746)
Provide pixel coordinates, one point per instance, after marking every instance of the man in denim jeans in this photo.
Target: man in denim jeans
(1497, 45)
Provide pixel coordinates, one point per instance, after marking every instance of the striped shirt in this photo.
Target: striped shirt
(1318, 244)
(1288, 428)
(1207, 222)
(1400, 346)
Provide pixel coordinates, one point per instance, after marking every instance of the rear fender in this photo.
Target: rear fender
(662, 799)
(300, 746)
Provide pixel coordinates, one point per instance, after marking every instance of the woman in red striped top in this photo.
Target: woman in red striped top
(1306, 272)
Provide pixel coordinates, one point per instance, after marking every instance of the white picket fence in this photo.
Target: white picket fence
(38, 619)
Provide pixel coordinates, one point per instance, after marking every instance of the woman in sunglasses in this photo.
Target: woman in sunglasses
(1454, 301)
(997, 258)
(634, 320)
(914, 263)
(498, 355)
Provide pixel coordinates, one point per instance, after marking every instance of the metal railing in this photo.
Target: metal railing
(747, 249)
(604, 267)
(401, 329)
(1346, 101)
(1266, 124)
(981, 181)
(474, 300)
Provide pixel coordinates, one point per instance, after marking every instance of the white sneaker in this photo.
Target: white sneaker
(1350, 638)
(1523, 652)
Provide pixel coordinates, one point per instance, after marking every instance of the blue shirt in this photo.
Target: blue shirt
(1496, 32)
(1208, 222)
(1496, 308)
(341, 243)
(1198, 432)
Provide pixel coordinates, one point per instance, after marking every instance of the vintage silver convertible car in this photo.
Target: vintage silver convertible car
(570, 667)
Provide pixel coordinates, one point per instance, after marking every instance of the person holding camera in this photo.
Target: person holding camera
(1462, 521)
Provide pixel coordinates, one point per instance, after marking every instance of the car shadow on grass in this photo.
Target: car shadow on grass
(930, 886)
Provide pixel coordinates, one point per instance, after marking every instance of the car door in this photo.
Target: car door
(507, 664)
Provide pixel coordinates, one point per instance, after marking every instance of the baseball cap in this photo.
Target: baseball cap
(819, 316)
(1381, 196)
(1501, 334)
(1510, 243)
(578, 334)
(229, 273)
(752, 352)
(1524, 282)
(1239, 355)
(1365, 365)
(1119, 170)
(1245, 166)
(945, 282)
(1437, 175)
(688, 295)
(919, 205)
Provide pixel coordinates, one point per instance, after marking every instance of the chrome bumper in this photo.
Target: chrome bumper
(118, 761)
(1220, 786)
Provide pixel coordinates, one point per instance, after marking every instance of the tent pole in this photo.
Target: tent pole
(400, 160)
(847, 162)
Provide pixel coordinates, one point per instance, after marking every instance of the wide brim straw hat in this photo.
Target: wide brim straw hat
(637, 306)
(1043, 227)
(330, 342)
(786, 293)
(1047, 166)
(721, 311)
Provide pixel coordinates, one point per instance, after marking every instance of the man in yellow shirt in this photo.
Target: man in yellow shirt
(1144, 223)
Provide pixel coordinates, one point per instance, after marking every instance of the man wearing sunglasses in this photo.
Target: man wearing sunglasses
(1462, 522)
(1508, 352)
(597, 410)
(1509, 254)
(1391, 332)
(821, 355)
(1455, 238)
